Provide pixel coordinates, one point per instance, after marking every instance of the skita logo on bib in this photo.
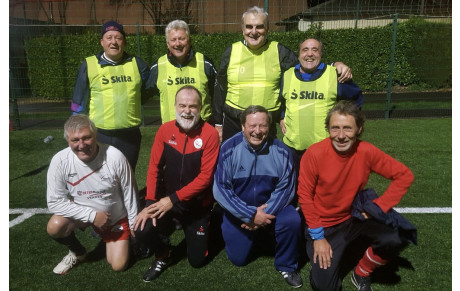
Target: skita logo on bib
(116, 79)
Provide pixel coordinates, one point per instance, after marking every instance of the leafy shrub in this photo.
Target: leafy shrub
(423, 54)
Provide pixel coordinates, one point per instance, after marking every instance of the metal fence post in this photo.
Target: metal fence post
(138, 40)
(357, 15)
(16, 119)
(390, 73)
(139, 55)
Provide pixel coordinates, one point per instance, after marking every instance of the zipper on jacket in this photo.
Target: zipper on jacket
(254, 192)
(182, 162)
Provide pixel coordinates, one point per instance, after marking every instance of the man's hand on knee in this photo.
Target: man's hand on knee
(102, 220)
(322, 253)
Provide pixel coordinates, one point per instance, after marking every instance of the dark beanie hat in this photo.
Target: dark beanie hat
(112, 25)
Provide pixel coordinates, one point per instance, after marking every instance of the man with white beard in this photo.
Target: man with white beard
(179, 184)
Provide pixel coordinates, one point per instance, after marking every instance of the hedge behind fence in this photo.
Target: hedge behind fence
(423, 54)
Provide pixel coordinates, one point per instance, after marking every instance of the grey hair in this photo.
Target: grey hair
(256, 11)
(76, 122)
(177, 24)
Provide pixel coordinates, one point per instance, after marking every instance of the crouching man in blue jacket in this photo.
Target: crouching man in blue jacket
(254, 183)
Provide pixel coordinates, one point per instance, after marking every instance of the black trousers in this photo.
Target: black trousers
(128, 141)
(196, 229)
(385, 242)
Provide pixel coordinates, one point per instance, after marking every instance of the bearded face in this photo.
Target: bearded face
(187, 120)
(188, 108)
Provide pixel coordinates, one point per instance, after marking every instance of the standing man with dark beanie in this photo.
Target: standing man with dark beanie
(110, 88)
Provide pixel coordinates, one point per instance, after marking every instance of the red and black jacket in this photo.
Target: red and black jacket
(182, 165)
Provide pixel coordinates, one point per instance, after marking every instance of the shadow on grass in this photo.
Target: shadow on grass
(31, 173)
(98, 253)
(386, 275)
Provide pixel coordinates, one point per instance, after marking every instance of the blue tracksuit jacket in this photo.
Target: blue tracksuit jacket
(246, 179)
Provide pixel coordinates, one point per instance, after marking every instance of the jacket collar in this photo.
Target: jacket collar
(261, 150)
(193, 130)
(246, 43)
(103, 61)
(310, 77)
(173, 60)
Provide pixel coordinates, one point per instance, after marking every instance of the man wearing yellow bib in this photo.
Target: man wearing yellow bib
(179, 67)
(250, 73)
(307, 92)
(110, 88)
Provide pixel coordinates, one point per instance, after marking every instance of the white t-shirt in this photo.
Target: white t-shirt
(78, 190)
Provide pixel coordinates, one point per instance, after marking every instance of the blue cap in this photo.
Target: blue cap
(112, 26)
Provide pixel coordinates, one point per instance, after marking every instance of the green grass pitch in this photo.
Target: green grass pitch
(424, 145)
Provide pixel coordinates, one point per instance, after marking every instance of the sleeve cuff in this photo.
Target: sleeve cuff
(92, 217)
(148, 202)
(174, 198)
(316, 233)
(384, 209)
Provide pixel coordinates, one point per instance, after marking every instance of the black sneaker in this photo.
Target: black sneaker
(362, 283)
(292, 278)
(156, 268)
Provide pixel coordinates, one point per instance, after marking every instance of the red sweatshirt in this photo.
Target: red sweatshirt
(328, 182)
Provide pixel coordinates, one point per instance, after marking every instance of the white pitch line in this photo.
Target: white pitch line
(26, 213)
(20, 219)
(29, 212)
(422, 210)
